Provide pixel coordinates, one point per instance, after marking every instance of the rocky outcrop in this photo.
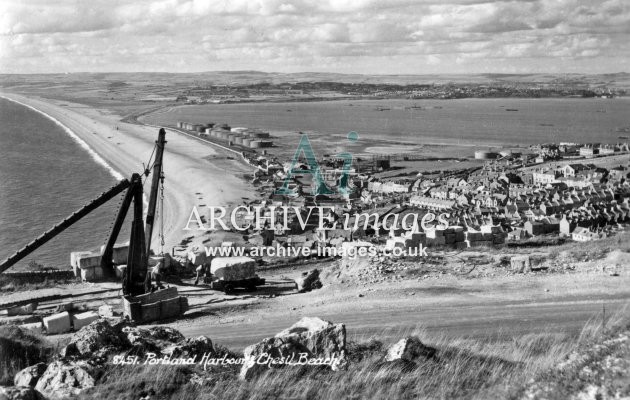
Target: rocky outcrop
(190, 347)
(29, 375)
(101, 339)
(98, 337)
(152, 339)
(309, 338)
(65, 378)
(409, 349)
(19, 393)
(308, 281)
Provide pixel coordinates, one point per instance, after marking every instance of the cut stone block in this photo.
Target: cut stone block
(57, 323)
(120, 252)
(90, 274)
(83, 319)
(91, 259)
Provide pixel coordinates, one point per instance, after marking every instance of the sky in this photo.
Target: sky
(344, 36)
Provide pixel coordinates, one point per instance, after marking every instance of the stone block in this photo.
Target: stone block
(83, 319)
(57, 323)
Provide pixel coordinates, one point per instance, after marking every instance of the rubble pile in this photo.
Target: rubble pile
(378, 269)
(384, 269)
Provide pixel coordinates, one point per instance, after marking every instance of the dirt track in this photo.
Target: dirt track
(486, 307)
(490, 320)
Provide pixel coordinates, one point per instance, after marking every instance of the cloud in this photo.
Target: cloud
(397, 36)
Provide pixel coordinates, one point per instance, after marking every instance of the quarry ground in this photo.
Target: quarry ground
(478, 307)
(468, 294)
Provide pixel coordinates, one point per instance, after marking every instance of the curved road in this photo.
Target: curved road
(496, 320)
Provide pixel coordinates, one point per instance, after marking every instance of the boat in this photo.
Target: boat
(511, 109)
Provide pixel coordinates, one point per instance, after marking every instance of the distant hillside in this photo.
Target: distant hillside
(619, 80)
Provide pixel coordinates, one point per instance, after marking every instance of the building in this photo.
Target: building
(544, 177)
(588, 151)
(583, 234)
(431, 203)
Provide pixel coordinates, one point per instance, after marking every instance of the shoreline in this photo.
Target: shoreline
(95, 156)
(191, 175)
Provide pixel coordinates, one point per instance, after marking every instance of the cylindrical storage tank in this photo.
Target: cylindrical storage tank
(200, 128)
(230, 143)
(180, 124)
(208, 130)
(238, 140)
(231, 137)
(213, 133)
(224, 135)
(246, 142)
(254, 144)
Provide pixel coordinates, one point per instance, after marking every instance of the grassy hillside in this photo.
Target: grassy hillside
(462, 368)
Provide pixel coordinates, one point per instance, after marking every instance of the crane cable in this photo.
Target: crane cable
(161, 234)
(148, 167)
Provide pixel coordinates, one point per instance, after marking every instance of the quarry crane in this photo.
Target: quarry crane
(140, 240)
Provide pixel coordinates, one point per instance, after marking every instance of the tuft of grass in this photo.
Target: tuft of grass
(20, 348)
(8, 285)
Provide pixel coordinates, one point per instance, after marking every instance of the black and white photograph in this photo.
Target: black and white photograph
(314, 199)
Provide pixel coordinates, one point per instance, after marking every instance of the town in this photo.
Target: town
(546, 193)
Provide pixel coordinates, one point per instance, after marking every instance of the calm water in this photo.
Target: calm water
(45, 176)
(465, 121)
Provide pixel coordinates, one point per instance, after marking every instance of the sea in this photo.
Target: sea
(47, 173)
(497, 122)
